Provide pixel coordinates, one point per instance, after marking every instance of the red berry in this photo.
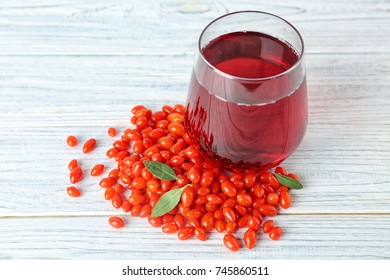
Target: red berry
(111, 131)
(273, 198)
(200, 233)
(73, 164)
(73, 191)
(76, 174)
(244, 199)
(285, 199)
(268, 226)
(250, 238)
(170, 228)
(275, 233)
(89, 145)
(230, 241)
(116, 222)
(71, 141)
(268, 210)
(185, 233)
(97, 170)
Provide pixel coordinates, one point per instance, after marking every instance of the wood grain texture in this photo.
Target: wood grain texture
(305, 237)
(78, 67)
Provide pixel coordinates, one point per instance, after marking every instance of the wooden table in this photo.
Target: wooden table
(77, 67)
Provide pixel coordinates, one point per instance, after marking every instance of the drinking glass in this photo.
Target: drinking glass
(247, 99)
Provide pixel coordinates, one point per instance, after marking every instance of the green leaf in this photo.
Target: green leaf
(288, 182)
(161, 170)
(167, 202)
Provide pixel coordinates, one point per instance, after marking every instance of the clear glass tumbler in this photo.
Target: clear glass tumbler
(247, 99)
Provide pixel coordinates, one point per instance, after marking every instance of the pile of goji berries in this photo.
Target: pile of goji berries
(216, 199)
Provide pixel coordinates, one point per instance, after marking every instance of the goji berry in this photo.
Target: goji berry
(285, 199)
(176, 128)
(158, 116)
(141, 122)
(155, 221)
(194, 175)
(109, 193)
(139, 183)
(176, 161)
(132, 134)
(214, 199)
(191, 151)
(263, 176)
(167, 218)
(185, 233)
(206, 179)
(97, 170)
(136, 199)
(194, 214)
(230, 241)
(73, 191)
(170, 228)
(254, 223)
(243, 221)
(147, 142)
(249, 180)
(73, 164)
(275, 233)
(136, 169)
(229, 214)
(228, 188)
(146, 210)
(268, 226)
(106, 182)
(273, 181)
(163, 124)
(112, 152)
(187, 196)
(136, 108)
(178, 108)
(207, 221)
(268, 210)
(179, 220)
(121, 155)
(250, 238)
(116, 201)
(118, 188)
(280, 170)
(220, 225)
(76, 174)
(135, 210)
(111, 131)
(168, 109)
(116, 222)
(89, 145)
(230, 227)
(71, 141)
(146, 174)
(120, 145)
(244, 199)
(272, 198)
(241, 210)
(126, 206)
(200, 233)
(175, 117)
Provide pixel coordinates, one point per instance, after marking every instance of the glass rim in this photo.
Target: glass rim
(294, 66)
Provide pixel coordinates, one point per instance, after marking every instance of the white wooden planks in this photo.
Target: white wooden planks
(305, 237)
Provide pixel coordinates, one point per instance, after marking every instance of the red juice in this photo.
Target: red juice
(238, 114)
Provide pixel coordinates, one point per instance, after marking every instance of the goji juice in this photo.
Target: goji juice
(247, 100)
